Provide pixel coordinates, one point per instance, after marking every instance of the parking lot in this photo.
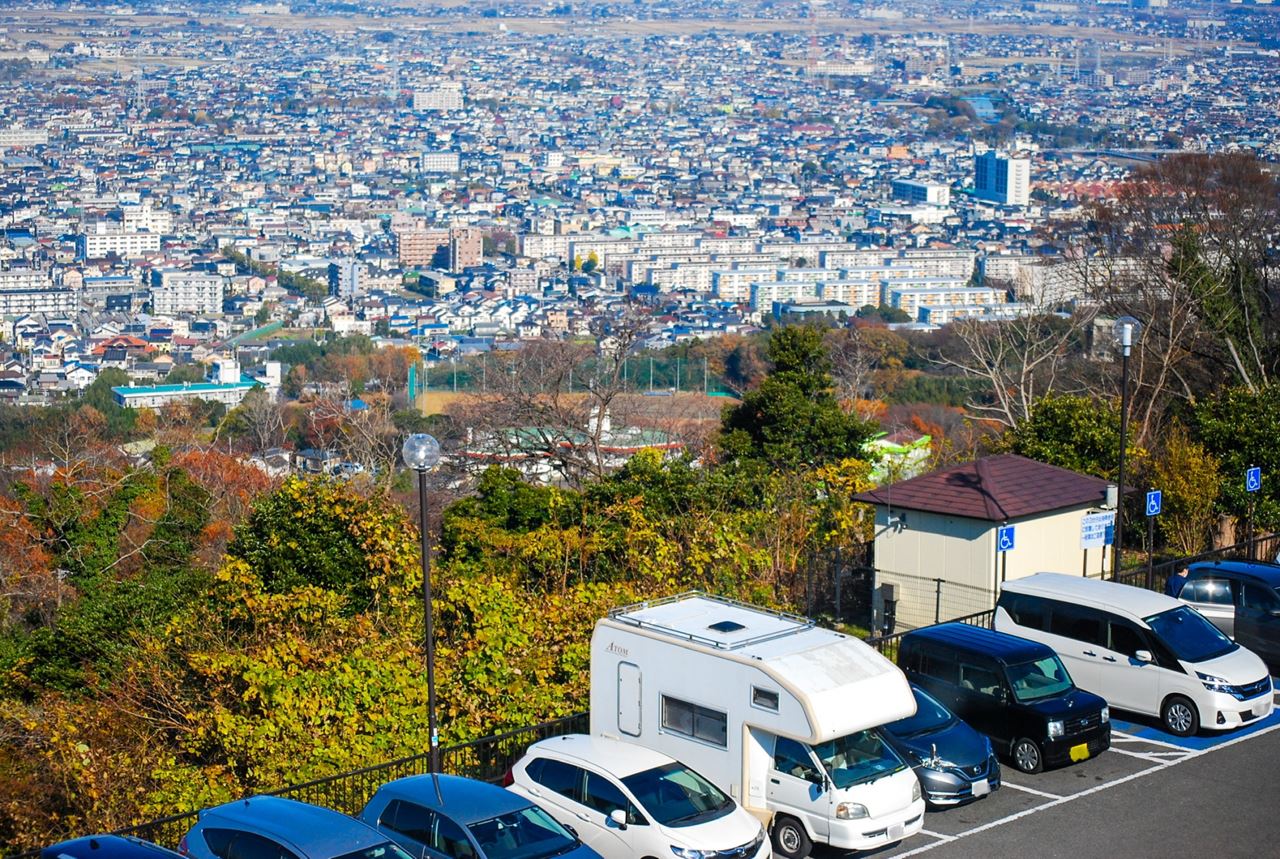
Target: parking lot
(1150, 794)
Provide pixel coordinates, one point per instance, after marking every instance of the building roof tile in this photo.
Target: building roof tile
(993, 488)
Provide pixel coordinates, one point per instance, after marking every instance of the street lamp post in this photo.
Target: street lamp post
(1126, 329)
(421, 452)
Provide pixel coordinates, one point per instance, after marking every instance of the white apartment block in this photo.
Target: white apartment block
(144, 219)
(99, 244)
(911, 298)
(735, 284)
(439, 162)
(56, 302)
(856, 293)
(940, 262)
(763, 295)
(175, 292)
(443, 95)
(541, 247)
(17, 137)
(13, 279)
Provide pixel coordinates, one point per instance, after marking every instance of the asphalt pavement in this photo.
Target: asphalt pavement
(1151, 794)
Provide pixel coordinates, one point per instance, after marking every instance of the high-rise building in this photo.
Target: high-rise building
(344, 279)
(466, 248)
(416, 246)
(1002, 179)
(174, 292)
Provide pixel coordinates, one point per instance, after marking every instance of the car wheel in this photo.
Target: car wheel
(790, 839)
(1026, 756)
(1180, 716)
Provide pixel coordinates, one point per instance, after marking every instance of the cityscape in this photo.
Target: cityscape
(808, 307)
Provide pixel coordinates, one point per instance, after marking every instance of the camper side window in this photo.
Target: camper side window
(765, 699)
(692, 720)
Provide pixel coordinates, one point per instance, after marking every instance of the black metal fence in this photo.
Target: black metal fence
(487, 759)
(888, 644)
(1153, 576)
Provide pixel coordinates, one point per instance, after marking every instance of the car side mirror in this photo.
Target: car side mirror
(619, 818)
(1143, 656)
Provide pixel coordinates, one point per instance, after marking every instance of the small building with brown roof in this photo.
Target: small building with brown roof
(936, 535)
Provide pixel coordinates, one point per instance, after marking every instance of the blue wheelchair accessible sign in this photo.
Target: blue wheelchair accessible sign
(1153, 502)
(1004, 538)
(1253, 479)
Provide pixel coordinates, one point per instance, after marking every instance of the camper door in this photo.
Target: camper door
(798, 786)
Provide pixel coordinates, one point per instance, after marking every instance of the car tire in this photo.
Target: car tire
(1179, 716)
(1026, 756)
(790, 839)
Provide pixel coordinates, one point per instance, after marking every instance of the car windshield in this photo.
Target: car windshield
(675, 795)
(386, 850)
(1041, 678)
(1189, 635)
(529, 833)
(858, 758)
(930, 716)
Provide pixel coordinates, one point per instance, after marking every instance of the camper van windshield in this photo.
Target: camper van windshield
(858, 758)
(675, 795)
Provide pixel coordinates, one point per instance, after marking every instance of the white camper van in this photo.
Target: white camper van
(772, 709)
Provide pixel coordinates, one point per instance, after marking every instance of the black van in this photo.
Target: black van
(1013, 690)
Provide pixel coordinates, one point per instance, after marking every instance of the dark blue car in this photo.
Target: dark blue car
(450, 817)
(955, 764)
(107, 847)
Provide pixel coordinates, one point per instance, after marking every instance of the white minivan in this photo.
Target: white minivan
(1142, 651)
(628, 802)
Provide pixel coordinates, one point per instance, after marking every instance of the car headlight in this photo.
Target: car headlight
(1055, 729)
(915, 790)
(1106, 715)
(1214, 684)
(690, 853)
(854, 810)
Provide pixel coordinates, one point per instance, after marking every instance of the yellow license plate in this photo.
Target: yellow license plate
(1080, 752)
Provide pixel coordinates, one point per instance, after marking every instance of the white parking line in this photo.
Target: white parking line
(1122, 737)
(1030, 790)
(1154, 757)
(938, 835)
(1062, 800)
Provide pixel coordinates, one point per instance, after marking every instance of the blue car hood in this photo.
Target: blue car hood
(956, 742)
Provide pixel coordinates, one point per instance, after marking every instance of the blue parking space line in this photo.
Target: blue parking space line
(1199, 743)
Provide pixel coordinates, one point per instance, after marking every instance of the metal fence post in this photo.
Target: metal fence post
(937, 600)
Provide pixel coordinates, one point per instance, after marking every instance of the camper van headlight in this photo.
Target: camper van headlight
(1214, 684)
(852, 810)
(1055, 729)
(1106, 715)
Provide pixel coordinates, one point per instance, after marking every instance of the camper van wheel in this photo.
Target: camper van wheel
(1027, 757)
(790, 839)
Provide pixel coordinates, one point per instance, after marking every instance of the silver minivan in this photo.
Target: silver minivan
(1142, 651)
